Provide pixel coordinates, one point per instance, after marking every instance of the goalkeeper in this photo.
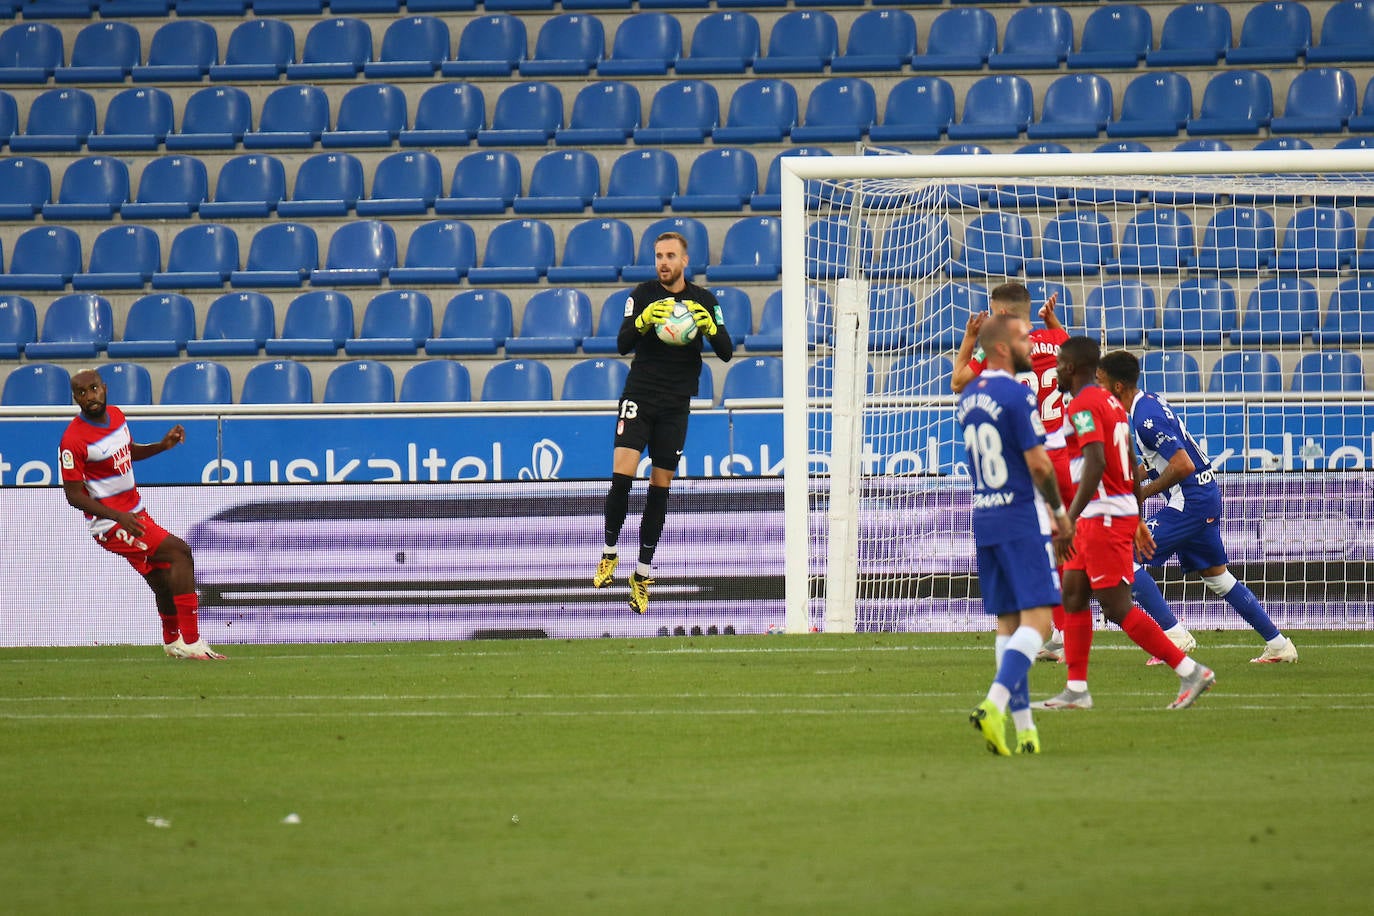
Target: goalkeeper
(655, 404)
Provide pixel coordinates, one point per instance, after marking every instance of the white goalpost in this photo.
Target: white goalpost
(1243, 280)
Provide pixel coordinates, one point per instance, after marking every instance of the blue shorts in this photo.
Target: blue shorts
(1195, 538)
(1018, 575)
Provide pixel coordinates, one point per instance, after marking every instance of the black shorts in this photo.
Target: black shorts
(655, 421)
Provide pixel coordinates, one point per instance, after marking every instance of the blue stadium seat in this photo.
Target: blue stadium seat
(721, 179)
(735, 307)
(236, 324)
(483, 182)
(30, 52)
(945, 314)
(684, 111)
(752, 377)
(126, 384)
(59, 120)
(171, 187)
(1347, 34)
(517, 251)
(395, 323)
(1035, 38)
(1075, 244)
(828, 252)
(248, 185)
(1238, 239)
(771, 196)
(698, 248)
(1272, 33)
(962, 38)
(492, 45)
(1329, 370)
(103, 52)
(608, 324)
(722, 42)
(448, 114)
(411, 46)
(439, 251)
(646, 44)
(25, 186)
(917, 108)
(761, 111)
(1364, 121)
(215, 117)
(1158, 240)
(1169, 197)
(335, 48)
(801, 41)
(1280, 310)
(1320, 101)
(1040, 292)
(122, 257)
(527, 114)
(316, 324)
(562, 181)
(159, 325)
(518, 380)
(569, 44)
(914, 245)
(596, 379)
(37, 385)
(43, 257)
(768, 335)
(408, 182)
(182, 51)
(1194, 34)
(18, 325)
(995, 243)
(995, 107)
(1169, 372)
(751, 252)
(1154, 105)
(258, 49)
(360, 253)
(9, 117)
(1198, 312)
(327, 184)
(1113, 37)
(1076, 105)
(436, 380)
(604, 112)
(135, 119)
(839, 110)
(641, 181)
(595, 252)
(1349, 315)
(919, 375)
(1317, 238)
(201, 257)
(292, 117)
(1119, 312)
(75, 326)
(877, 40)
(94, 187)
(281, 381)
(1028, 196)
(475, 321)
(892, 317)
(1246, 371)
(1234, 102)
(281, 254)
(198, 382)
(372, 114)
(555, 320)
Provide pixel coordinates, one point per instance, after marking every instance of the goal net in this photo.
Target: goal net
(1243, 281)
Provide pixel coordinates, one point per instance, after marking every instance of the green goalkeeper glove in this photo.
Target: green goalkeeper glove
(703, 318)
(654, 313)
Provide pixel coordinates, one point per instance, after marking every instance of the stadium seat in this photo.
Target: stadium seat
(171, 187)
(828, 247)
(360, 253)
(483, 182)
(372, 114)
(236, 324)
(475, 321)
(527, 114)
(407, 182)
(18, 325)
(761, 111)
(439, 251)
(1154, 105)
(43, 257)
(646, 44)
(641, 181)
(215, 117)
(1119, 312)
(1364, 121)
(995, 107)
(1035, 38)
(412, 46)
(751, 252)
(201, 257)
(877, 40)
(595, 252)
(197, 382)
(1075, 244)
(919, 375)
(1193, 34)
(1113, 37)
(839, 110)
(25, 186)
(518, 380)
(327, 184)
(436, 380)
(59, 120)
(1076, 105)
(94, 187)
(917, 108)
(1235, 102)
(75, 326)
(395, 323)
(29, 52)
(698, 248)
(569, 44)
(9, 117)
(1329, 370)
(37, 385)
(126, 384)
(1238, 239)
(1029, 196)
(961, 38)
(596, 379)
(721, 179)
(159, 325)
(771, 196)
(562, 181)
(735, 307)
(122, 257)
(1280, 310)
(292, 117)
(281, 381)
(801, 41)
(281, 254)
(1320, 101)
(335, 48)
(1158, 240)
(723, 42)
(492, 45)
(892, 317)
(1169, 372)
(1246, 371)
(605, 112)
(252, 184)
(1349, 315)
(517, 251)
(684, 111)
(1272, 33)
(768, 335)
(995, 243)
(316, 324)
(608, 324)
(945, 314)
(258, 49)
(103, 52)
(1198, 312)
(1317, 238)
(135, 119)
(913, 246)
(752, 377)
(448, 114)
(1347, 34)
(555, 320)
(1168, 197)
(182, 51)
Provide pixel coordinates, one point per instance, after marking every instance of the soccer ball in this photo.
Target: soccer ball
(679, 328)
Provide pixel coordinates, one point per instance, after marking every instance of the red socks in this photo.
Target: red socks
(169, 628)
(1144, 632)
(1078, 642)
(1057, 615)
(190, 626)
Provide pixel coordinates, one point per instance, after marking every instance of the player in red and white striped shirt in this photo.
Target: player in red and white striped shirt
(96, 457)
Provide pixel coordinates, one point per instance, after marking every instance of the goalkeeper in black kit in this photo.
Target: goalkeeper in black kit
(664, 377)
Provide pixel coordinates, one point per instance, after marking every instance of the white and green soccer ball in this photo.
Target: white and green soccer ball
(679, 328)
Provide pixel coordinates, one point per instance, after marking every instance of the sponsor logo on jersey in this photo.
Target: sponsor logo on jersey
(1083, 422)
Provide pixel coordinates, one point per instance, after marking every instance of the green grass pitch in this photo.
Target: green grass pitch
(818, 774)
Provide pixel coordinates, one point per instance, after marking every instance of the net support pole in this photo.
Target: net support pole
(846, 432)
(795, 439)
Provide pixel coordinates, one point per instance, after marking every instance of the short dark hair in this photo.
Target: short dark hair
(1121, 366)
(1082, 352)
(1014, 296)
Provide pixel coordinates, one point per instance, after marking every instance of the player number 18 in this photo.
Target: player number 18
(984, 444)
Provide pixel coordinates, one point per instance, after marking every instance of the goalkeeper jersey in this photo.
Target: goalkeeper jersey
(660, 368)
